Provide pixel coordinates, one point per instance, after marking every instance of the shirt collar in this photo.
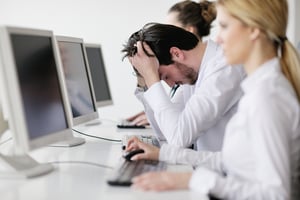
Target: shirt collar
(263, 71)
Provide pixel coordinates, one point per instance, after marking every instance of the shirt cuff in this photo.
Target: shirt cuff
(168, 153)
(203, 180)
(157, 97)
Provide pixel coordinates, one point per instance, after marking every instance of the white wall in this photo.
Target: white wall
(296, 24)
(293, 32)
(109, 23)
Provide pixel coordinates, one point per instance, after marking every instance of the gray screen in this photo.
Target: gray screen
(99, 78)
(39, 85)
(77, 81)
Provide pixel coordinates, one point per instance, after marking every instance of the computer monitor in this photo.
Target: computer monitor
(78, 80)
(34, 96)
(99, 76)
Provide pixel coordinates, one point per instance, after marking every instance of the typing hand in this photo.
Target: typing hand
(140, 119)
(150, 152)
(160, 181)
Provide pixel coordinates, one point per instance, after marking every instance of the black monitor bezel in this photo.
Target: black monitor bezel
(101, 103)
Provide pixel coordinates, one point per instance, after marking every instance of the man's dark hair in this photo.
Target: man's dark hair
(160, 38)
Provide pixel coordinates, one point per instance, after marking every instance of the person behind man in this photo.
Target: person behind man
(178, 57)
(261, 152)
(191, 16)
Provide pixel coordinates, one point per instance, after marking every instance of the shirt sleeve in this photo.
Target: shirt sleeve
(149, 113)
(177, 155)
(217, 93)
(207, 181)
(269, 136)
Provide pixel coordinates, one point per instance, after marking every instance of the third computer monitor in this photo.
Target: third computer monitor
(77, 79)
(99, 76)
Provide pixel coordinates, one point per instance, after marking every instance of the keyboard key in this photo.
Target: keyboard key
(149, 139)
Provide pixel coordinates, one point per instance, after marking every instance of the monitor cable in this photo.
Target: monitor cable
(81, 162)
(93, 136)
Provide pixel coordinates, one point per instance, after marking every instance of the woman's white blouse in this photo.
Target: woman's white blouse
(261, 150)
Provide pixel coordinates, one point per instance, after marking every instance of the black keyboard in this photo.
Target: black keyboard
(123, 174)
(149, 139)
(127, 124)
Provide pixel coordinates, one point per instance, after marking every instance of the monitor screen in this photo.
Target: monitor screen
(33, 95)
(98, 73)
(39, 84)
(77, 78)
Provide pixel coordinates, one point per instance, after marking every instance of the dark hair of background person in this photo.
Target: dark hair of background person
(199, 15)
(160, 38)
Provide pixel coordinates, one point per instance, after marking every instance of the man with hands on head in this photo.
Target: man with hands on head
(193, 16)
(210, 88)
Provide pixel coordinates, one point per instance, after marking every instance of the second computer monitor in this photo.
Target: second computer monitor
(98, 73)
(78, 79)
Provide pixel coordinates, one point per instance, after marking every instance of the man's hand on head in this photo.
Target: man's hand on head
(146, 66)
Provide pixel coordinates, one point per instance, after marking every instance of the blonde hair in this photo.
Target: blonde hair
(271, 17)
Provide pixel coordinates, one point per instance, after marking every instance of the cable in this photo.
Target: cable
(5, 141)
(81, 162)
(93, 136)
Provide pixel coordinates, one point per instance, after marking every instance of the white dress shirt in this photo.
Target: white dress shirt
(261, 150)
(200, 113)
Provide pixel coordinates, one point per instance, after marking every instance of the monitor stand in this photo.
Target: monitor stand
(23, 166)
(70, 142)
(3, 123)
(94, 122)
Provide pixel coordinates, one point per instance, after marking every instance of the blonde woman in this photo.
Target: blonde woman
(260, 156)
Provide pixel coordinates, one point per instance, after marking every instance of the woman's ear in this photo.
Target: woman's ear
(176, 54)
(255, 32)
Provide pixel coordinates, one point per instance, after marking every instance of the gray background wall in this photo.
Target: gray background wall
(109, 23)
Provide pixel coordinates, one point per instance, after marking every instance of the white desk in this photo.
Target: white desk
(83, 181)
